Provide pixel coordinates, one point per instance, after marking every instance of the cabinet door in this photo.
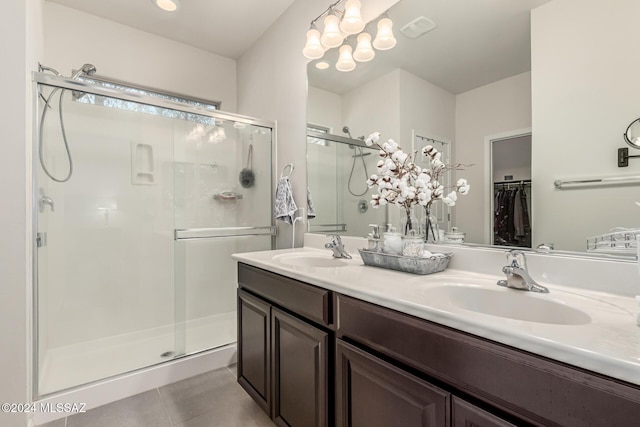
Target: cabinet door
(467, 415)
(371, 392)
(300, 378)
(254, 358)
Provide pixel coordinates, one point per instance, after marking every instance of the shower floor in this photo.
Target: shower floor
(79, 364)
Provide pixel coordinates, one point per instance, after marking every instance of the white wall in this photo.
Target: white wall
(512, 157)
(74, 38)
(374, 107)
(488, 110)
(425, 108)
(324, 108)
(585, 93)
(272, 85)
(20, 46)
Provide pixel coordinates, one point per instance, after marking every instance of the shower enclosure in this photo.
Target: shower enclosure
(132, 262)
(337, 173)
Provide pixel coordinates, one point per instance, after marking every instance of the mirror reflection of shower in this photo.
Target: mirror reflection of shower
(86, 69)
(360, 155)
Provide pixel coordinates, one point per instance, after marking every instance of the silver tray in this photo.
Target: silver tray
(408, 264)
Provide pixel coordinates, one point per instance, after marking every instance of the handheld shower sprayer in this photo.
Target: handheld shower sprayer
(87, 69)
(345, 129)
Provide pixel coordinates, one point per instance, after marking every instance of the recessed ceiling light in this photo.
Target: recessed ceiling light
(168, 5)
(322, 65)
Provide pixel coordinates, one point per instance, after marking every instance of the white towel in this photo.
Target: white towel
(311, 211)
(285, 207)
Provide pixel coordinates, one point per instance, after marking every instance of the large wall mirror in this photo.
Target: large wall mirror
(531, 92)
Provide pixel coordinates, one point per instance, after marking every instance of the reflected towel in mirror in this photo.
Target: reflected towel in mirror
(311, 210)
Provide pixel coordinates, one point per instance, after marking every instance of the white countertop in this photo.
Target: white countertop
(608, 344)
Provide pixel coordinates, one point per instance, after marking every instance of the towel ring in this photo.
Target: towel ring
(290, 166)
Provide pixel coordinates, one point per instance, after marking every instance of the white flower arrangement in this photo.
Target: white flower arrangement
(403, 183)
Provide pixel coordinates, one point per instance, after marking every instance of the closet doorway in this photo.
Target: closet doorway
(510, 189)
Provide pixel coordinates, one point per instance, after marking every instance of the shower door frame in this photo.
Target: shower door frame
(53, 81)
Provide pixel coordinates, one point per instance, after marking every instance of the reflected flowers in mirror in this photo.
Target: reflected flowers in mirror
(401, 182)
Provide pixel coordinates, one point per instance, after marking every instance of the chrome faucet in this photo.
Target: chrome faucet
(517, 274)
(337, 247)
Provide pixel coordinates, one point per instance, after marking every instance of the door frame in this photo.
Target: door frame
(447, 156)
(488, 176)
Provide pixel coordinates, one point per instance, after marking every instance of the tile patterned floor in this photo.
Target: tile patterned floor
(213, 399)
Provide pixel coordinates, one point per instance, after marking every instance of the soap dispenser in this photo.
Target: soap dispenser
(374, 238)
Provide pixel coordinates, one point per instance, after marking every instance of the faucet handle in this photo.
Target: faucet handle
(516, 258)
(335, 239)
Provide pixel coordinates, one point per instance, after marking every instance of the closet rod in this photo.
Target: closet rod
(519, 181)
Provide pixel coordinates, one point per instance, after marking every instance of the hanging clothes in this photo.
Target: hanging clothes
(511, 223)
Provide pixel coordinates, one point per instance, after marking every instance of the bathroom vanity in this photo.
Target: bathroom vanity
(324, 341)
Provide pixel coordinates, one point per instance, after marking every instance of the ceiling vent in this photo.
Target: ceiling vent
(418, 27)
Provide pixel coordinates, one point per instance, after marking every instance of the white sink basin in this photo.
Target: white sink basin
(319, 260)
(508, 303)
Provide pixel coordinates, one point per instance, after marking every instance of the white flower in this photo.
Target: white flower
(390, 146)
(450, 199)
(437, 192)
(401, 182)
(437, 165)
(372, 139)
(399, 156)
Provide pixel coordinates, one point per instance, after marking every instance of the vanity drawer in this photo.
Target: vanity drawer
(536, 389)
(309, 301)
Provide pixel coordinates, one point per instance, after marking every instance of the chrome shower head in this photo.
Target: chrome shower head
(345, 129)
(88, 69)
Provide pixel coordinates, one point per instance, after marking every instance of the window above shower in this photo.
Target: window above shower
(112, 102)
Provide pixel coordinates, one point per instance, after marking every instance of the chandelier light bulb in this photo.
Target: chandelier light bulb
(313, 49)
(364, 52)
(384, 38)
(331, 37)
(352, 22)
(345, 61)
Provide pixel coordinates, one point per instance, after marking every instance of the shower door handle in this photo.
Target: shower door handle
(41, 239)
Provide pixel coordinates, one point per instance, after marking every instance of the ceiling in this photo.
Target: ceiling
(476, 42)
(223, 27)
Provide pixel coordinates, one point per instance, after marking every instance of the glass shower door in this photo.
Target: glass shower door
(133, 262)
(105, 290)
(223, 205)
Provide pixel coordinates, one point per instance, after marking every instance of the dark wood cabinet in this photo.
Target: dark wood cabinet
(465, 414)
(254, 353)
(284, 350)
(300, 372)
(531, 389)
(311, 357)
(372, 393)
